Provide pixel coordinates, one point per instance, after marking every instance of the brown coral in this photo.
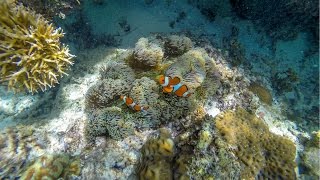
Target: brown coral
(263, 154)
(262, 92)
(31, 56)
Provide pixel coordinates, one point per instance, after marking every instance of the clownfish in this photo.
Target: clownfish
(130, 103)
(173, 85)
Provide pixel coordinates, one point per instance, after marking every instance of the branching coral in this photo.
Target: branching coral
(31, 56)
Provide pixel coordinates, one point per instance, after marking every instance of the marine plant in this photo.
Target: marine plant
(31, 55)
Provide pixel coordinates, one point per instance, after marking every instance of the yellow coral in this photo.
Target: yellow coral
(31, 56)
(264, 155)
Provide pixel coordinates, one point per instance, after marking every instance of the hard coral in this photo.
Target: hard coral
(263, 154)
(263, 93)
(31, 56)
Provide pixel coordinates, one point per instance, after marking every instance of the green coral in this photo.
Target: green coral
(31, 55)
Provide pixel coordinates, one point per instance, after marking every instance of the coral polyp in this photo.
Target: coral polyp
(31, 55)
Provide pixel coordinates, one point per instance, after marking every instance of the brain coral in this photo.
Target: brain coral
(147, 53)
(264, 155)
(31, 56)
(190, 68)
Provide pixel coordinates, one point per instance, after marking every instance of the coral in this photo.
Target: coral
(52, 167)
(263, 154)
(190, 68)
(110, 121)
(31, 57)
(177, 45)
(262, 92)
(17, 146)
(148, 54)
(157, 154)
(104, 93)
(117, 70)
(116, 79)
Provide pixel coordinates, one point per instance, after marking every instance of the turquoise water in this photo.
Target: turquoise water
(259, 56)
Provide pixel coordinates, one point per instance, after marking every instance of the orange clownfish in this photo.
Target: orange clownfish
(129, 102)
(168, 81)
(173, 85)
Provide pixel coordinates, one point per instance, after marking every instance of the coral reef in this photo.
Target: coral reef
(190, 68)
(147, 53)
(17, 146)
(52, 167)
(32, 57)
(263, 154)
(177, 45)
(157, 154)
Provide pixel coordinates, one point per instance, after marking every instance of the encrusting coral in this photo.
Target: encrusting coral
(52, 167)
(264, 155)
(31, 56)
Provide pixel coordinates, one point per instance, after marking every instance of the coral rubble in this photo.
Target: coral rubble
(31, 55)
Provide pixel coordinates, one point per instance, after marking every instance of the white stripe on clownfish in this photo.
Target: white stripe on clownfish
(133, 105)
(166, 81)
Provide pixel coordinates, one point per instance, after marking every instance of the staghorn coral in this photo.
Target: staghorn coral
(263, 154)
(177, 45)
(17, 146)
(52, 167)
(31, 56)
(147, 54)
(190, 68)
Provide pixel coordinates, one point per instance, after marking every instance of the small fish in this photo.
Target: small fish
(129, 102)
(181, 90)
(166, 81)
(173, 85)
